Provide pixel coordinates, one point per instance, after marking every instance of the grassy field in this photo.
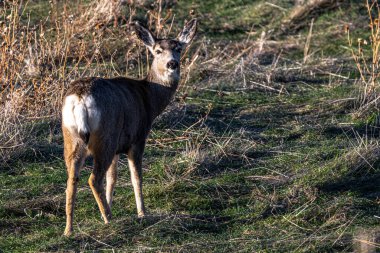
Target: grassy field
(260, 151)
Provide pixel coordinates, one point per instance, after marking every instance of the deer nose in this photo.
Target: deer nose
(172, 64)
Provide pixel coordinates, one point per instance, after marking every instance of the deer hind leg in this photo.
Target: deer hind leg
(102, 162)
(135, 166)
(75, 154)
(111, 178)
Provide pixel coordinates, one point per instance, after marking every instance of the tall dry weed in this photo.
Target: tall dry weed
(37, 62)
(366, 54)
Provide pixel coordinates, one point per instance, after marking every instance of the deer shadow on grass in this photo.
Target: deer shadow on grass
(361, 168)
(366, 186)
(353, 132)
(131, 231)
(366, 190)
(363, 175)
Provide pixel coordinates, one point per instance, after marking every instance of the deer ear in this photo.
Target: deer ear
(144, 35)
(188, 32)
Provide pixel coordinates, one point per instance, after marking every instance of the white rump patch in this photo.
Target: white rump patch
(92, 112)
(68, 119)
(81, 118)
(80, 115)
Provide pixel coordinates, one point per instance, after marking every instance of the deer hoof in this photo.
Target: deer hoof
(68, 232)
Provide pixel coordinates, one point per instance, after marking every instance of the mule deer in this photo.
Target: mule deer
(106, 117)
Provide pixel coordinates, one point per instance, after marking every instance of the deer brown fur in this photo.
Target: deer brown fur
(107, 117)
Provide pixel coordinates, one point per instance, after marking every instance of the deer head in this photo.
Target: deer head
(166, 52)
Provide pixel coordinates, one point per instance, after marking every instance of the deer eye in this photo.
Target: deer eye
(158, 51)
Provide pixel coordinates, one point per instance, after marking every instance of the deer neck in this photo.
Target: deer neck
(162, 89)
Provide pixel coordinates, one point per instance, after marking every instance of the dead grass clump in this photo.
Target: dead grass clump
(201, 150)
(101, 13)
(14, 129)
(261, 65)
(361, 159)
(28, 89)
(301, 14)
(37, 62)
(366, 240)
(366, 55)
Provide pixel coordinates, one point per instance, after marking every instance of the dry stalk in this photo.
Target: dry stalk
(307, 44)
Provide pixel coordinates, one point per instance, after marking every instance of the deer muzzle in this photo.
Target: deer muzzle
(173, 65)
